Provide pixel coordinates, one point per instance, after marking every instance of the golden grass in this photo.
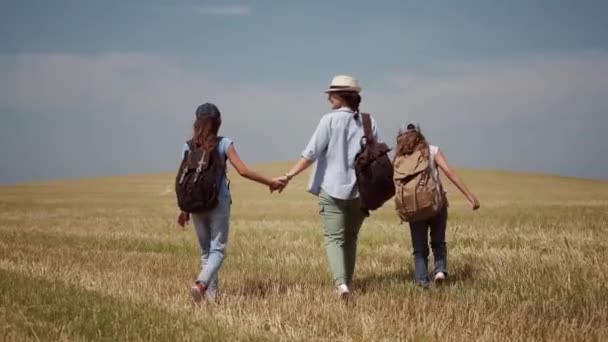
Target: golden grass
(101, 259)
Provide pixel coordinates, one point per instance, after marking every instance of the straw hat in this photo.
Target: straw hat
(344, 83)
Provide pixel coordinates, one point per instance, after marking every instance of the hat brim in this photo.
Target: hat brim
(339, 90)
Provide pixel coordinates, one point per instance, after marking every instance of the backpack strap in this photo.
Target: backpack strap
(366, 119)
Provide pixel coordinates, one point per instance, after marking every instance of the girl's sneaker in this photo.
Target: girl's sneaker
(439, 278)
(343, 292)
(198, 290)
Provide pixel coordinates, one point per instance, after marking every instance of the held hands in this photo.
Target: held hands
(279, 184)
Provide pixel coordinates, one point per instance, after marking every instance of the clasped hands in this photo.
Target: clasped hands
(279, 184)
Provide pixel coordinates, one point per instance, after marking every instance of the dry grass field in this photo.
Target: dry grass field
(101, 259)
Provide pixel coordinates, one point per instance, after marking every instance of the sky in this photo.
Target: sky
(100, 88)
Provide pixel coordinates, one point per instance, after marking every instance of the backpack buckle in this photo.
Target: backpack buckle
(201, 164)
(181, 179)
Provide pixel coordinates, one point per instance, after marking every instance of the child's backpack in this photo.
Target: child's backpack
(197, 184)
(418, 195)
(374, 169)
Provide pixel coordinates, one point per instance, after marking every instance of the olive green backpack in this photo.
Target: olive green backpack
(418, 196)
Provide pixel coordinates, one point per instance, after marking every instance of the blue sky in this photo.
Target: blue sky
(92, 88)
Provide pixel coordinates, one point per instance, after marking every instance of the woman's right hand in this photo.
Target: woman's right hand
(474, 202)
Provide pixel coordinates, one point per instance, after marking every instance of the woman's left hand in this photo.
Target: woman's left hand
(182, 219)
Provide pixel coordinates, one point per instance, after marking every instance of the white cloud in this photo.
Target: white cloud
(224, 10)
(142, 85)
(537, 86)
(541, 89)
(124, 83)
(148, 84)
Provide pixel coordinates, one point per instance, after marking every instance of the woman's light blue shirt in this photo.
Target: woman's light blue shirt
(333, 146)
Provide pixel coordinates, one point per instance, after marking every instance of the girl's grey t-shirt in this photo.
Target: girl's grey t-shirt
(333, 146)
(222, 149)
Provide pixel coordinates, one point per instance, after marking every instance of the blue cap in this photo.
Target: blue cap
(208, 110)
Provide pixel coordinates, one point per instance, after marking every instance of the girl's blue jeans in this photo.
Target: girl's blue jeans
(212, 232)
(420, 241)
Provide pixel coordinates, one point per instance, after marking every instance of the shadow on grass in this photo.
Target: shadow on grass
(264, 288)
(259, 288)
(374, 282)
(462, 274)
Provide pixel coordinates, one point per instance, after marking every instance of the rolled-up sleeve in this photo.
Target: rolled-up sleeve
(185, 148)
(319, 141)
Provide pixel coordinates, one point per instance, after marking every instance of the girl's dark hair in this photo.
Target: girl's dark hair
(411, 141)
(352, 99)
(205, 131)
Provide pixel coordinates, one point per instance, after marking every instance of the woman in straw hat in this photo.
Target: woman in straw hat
(333, 147)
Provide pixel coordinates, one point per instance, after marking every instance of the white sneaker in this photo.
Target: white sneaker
(439, 278)
(343, 292)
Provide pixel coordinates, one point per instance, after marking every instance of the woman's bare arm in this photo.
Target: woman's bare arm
(454, 178)
(245, 172)
(317, 144)
(299, 167)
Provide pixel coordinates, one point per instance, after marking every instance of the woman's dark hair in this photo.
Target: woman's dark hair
(205, 131)
(411, 141)
(351, 98)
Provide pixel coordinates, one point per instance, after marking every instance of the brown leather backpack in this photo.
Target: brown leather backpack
(374, 169)
(418, 196)
(197, 184)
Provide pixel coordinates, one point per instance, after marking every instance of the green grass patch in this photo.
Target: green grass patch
(36, 307)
